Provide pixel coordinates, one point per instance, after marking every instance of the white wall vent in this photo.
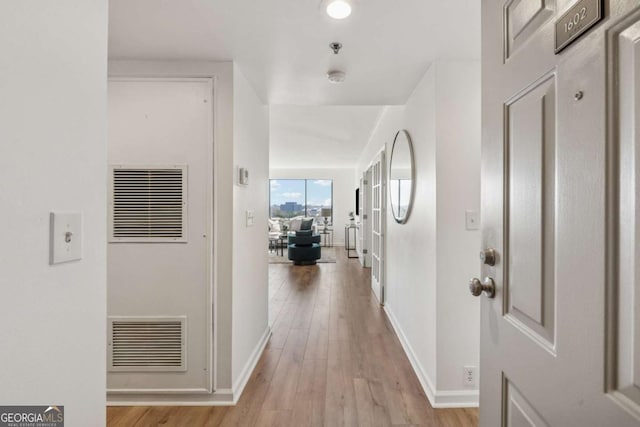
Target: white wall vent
(148, 204)
(147, 344)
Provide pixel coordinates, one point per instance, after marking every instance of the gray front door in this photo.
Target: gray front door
(560, 340)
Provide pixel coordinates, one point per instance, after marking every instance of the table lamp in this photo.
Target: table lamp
(325, 212)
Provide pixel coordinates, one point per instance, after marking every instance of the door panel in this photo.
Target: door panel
(518, 411)
(522, 20)
(559, 342)
(530, 235)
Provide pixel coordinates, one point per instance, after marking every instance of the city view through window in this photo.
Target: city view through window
(301, 197)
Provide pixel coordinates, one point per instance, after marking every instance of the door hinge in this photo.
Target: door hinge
(365, 217)
(366, 182)
(365, 251)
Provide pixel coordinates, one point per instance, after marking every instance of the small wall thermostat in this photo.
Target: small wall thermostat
(243, 176)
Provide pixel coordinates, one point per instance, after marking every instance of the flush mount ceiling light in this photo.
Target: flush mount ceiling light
(336, 76)
(339, 9)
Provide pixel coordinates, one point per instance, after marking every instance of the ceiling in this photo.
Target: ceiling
(319, 136)
(282, 48)
(282, 45)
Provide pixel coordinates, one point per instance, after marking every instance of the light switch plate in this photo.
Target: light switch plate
(472, 220)
(249, 218)
(243, 176)
(66, 237)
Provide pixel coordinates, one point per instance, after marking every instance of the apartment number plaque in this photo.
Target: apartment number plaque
(576, 21)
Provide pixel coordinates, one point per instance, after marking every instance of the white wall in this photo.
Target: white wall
(53, 158)
(250, 264)
(411, 248)
(458, 128)
(344, 193)
(432, 256)
(381, 135)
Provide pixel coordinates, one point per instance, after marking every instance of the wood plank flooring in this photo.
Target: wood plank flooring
(333, 360)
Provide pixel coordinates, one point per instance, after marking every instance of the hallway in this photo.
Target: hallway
(333, 360)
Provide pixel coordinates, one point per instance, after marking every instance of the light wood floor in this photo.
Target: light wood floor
(333, 360)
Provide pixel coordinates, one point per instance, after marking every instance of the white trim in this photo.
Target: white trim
(243, 378)
(456, 399)
(171, 403)
(438, 399)
(228, 402)
(162, 391)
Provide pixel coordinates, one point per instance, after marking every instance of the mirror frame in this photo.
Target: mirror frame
(404, 219)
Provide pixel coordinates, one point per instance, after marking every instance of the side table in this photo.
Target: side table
(327, 237)
(348, 245)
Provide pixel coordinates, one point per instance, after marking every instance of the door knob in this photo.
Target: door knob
(488, 256)
(477, 287)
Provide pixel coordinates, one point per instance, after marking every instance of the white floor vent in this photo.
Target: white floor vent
(147, 344)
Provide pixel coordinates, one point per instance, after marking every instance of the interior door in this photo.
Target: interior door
(155, 122)
(364, 226)
(559, 343)
(361, 247)
(378, 212)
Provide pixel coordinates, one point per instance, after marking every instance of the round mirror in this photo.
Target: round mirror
(401, 176)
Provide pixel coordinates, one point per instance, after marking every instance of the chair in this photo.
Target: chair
(304, 248)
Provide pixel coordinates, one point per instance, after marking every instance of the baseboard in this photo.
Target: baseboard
(456, 399)
(228, 402)
(438, 399)
(243, 379)
(221, 397)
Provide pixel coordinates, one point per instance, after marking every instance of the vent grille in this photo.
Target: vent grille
(148, 204)
(142, 344)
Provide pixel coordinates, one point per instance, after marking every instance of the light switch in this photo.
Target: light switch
(249, 218)
(243, 176)
(66, 237)
(473, 220)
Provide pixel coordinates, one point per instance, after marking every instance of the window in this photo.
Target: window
(301, 197)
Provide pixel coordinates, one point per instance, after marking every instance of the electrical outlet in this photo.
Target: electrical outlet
(469, 378)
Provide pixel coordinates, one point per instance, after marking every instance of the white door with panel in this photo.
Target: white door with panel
(160, 226)
(378, 224)
(560, 339)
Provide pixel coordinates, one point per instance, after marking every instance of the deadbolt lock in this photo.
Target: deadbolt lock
(488, 256)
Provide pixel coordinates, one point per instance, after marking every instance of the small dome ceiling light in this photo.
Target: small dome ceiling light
(336, 76)
(339, 9)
